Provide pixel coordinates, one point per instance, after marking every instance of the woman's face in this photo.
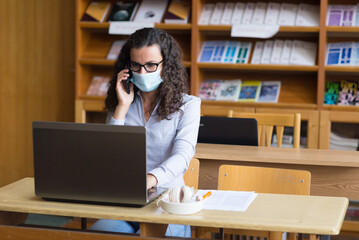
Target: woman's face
(150, 57)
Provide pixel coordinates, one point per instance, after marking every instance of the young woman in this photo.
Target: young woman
(155, 97)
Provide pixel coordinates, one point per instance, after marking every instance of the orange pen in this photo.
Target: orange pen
(207, 195)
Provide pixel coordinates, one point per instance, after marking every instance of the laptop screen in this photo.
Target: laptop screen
(224, 130)
(90, 162)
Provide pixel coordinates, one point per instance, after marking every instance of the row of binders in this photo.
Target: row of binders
(272, 13)
(178, 11)
(342, 93)
(285, 52)
(237, 90)
(343, 15)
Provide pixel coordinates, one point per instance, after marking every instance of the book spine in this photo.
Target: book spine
(287, 14)
(277, 51)
(287, 48)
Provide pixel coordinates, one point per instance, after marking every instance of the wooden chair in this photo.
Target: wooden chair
(191, 175)
(260, 180)
(215, 111)
(266, 122)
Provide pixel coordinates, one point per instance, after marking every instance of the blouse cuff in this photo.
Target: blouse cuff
(117, 121)
(159, 174)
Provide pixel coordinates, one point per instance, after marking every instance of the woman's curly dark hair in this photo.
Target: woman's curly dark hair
(174, 75)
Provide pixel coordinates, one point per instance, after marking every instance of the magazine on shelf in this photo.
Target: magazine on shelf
(229, 90)
(96, 12)
(115, 49)
(207, 51)
(98, 86)
(287, 48)
(231, 52)
(227, 13)
(259, 13)
(267, 52)
(209, 89)
(347, 92)
(217, 13)
(272, 14)
(206, 14)
(238, 13)
(308, 15)
(257, 52)
(151, 11)
(287, 14)
(249, 91)
(123, 11)
(331, 93)
(219, 51)
(269, 91)
(248, 13)
(340, 53)
(178, 12)
(277, 51)
(303, 53)
(103, 87)
(244, 52)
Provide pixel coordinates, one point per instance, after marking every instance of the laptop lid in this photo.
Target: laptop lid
(224, 130)
(91, 163)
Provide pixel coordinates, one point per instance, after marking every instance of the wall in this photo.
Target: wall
(37, 42)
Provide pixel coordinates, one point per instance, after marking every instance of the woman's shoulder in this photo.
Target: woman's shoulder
(190, 98)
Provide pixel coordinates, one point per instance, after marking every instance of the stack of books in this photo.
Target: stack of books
(152, 11)
(272, 13)
(338, 142)
(342, 93)
(342, 53)
(343, 15)
(285, 52)
(237, 90)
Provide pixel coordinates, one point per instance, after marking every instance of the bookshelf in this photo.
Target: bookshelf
(302, 88)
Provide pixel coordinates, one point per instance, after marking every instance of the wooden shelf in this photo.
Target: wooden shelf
(92, 98)
(342, 29)
(347, 69)
(260, 105)
(281, 29)
(96, 61)
(106, 25)
(257, 67)
(106, 62)
(341, 108)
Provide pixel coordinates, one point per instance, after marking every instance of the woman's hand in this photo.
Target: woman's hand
(124, 99)
(151, 181)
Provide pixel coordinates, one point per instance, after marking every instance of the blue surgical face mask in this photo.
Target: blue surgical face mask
(147, 82)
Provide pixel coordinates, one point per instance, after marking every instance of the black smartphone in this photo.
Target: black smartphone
(128, 90)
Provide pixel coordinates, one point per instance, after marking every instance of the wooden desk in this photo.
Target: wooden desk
(269, 212)
(334, 173)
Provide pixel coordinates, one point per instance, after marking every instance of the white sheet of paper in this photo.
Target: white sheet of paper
(127, 28)
(227, 200)
(254, 30)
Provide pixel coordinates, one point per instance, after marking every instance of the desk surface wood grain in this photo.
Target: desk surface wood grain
(319, 157)
(270, 212)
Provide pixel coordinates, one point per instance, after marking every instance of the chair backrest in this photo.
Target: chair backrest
(266, 122)
(264, 180)
(191, 175)
(215, 111)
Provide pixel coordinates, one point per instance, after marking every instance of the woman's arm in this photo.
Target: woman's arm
(183, 146)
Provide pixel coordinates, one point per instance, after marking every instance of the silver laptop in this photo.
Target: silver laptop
(93, 163)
